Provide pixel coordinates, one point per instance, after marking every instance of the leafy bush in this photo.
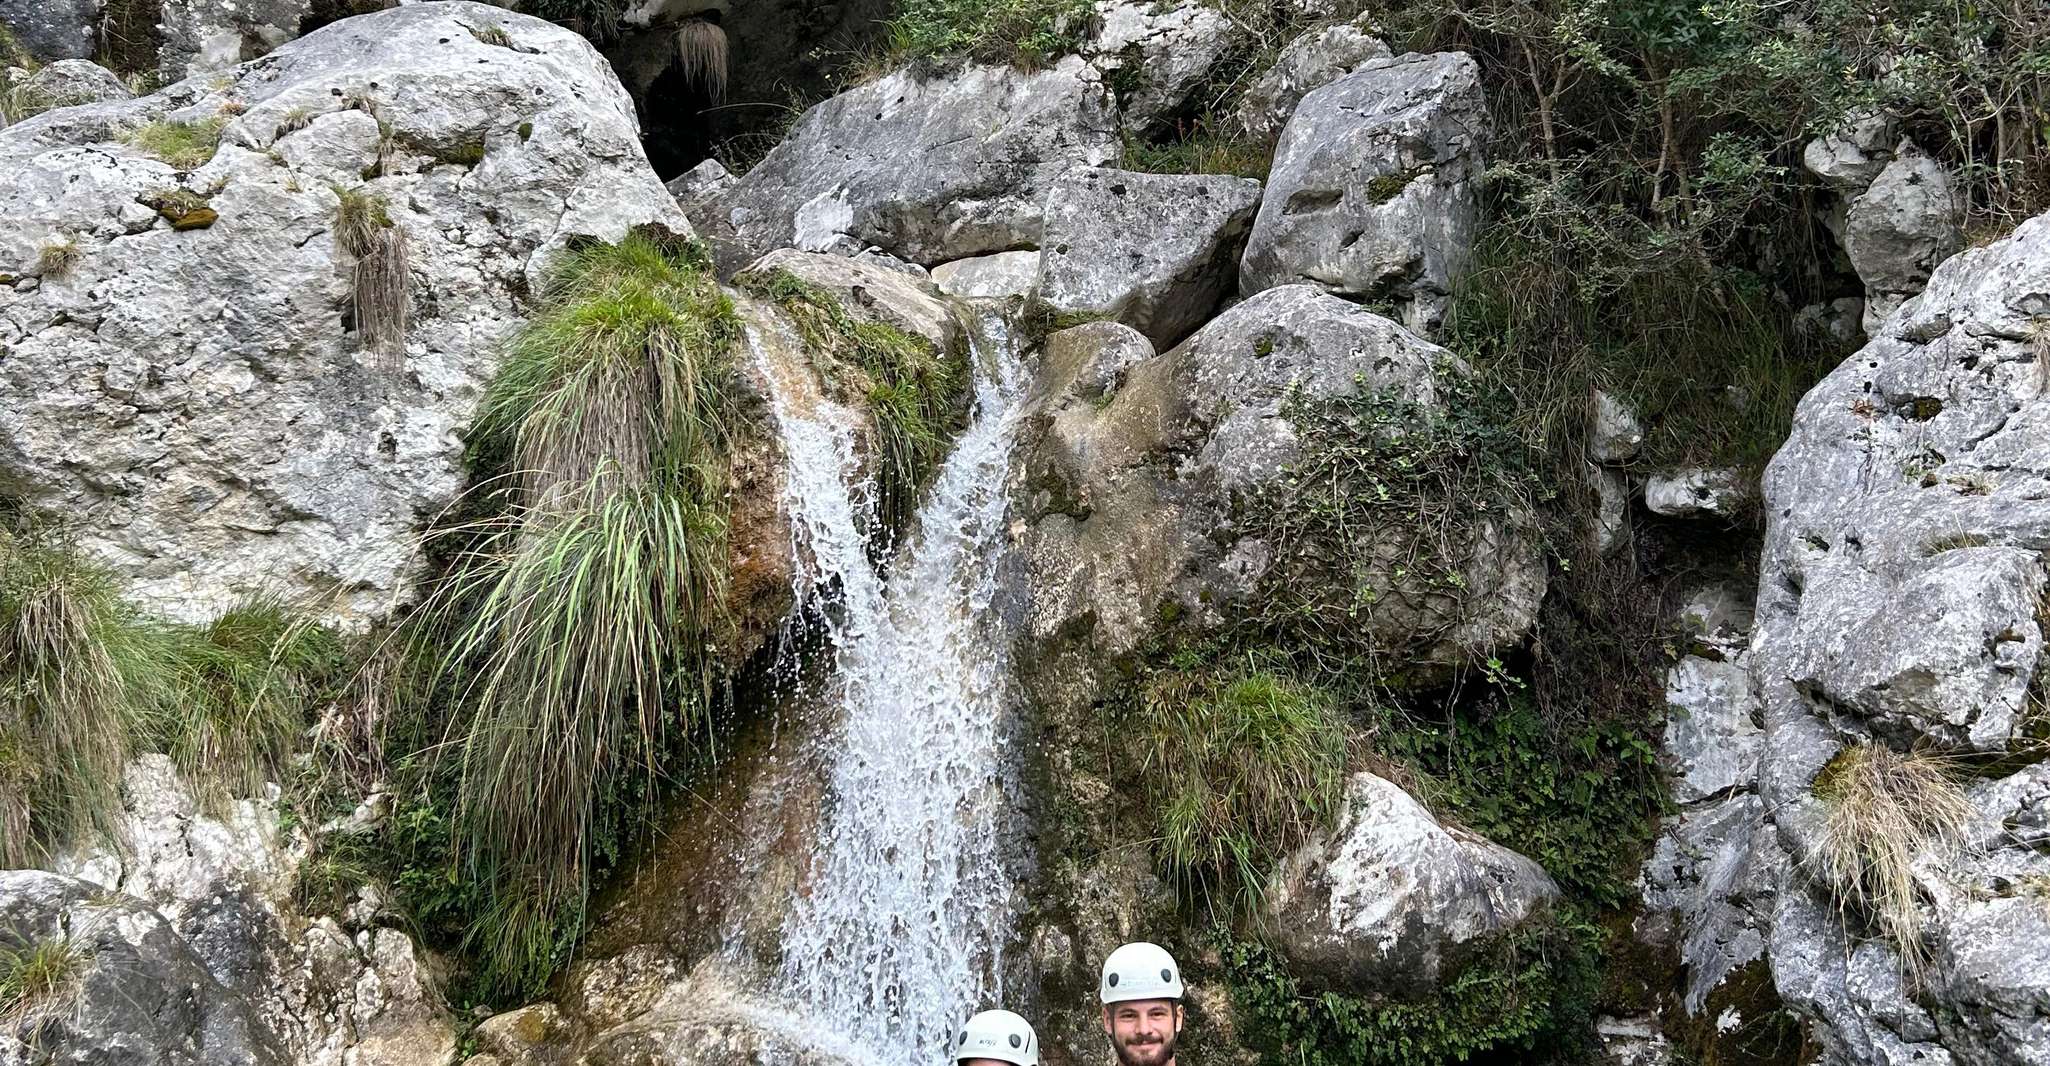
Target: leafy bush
(1240, 766)
(916, 394)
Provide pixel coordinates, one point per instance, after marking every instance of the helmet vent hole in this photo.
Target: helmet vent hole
(1167, 975)
(1112, 980)
(1016, 1041)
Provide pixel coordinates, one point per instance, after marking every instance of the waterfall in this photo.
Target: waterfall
(902, 930)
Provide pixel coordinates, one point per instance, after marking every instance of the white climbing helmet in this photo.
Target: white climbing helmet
(999, 1035)
(1140, 971)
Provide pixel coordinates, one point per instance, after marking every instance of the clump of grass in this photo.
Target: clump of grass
(35, 976)
(76, 672)
(583, 623)
(184, 145)
(1026, 33)
(916, 393)
(381, 277)
(58, 258)
(246, 682)
(1884, 811)
(1241, 766)
(1198, 147)
(701, 57)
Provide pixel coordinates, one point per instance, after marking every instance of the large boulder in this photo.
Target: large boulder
(129, 991)
(1374, 191)
(1899, 605)
(926, 169)
(1136, 467)
(65, 83)
(188, 390)
(1154, 251)
(1393, 901)
(50, 30)
(1155, 57)
(205, 36)
(1311, 61)
(1908, 220)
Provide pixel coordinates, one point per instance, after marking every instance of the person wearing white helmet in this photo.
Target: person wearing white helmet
(996, 1038)
(1142, 1004)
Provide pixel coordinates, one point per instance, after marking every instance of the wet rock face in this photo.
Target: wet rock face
(1374, 189)
(1154, 251)
(1392, 900)
(928, 170)
(1898, 602)
(194, 399)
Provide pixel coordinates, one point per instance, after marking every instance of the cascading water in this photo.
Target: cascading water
(902, 931)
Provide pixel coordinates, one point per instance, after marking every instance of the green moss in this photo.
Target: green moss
(1530, 994)
(1387, 187)
(916, 394)
(184, 145)
(183, 208)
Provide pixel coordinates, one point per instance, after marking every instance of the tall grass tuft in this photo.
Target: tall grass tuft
(76, 671)
(1241, 767)
(184, 145)
(582, 622)
(1886, 810)
(381, 279)
(701, 57)
(245, 684)
(35, 976)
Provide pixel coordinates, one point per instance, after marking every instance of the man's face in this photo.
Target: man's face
(1143, 1031)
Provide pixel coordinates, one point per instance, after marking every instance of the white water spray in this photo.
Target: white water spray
(902, 932)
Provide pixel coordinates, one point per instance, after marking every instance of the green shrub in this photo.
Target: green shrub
(77, 670)
(916, 394)
(1531, 992)
(578, 628)
(1027, 33)
(1240, 766)
(184, 145)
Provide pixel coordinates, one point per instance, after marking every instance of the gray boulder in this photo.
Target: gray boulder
(1692, 492)
(1895, 232)
(52, 29)
(207, 36)
(1154, 251)
(1711, 736)
(1393, 901)
(1311, 61)
(136, 995)
(1375, 185)
(1853, 154)
(1616, 434)
(700, 183)
(988, 277)
(1897, 596)
(929, 170)
(193, 398)
(1156, 56)
(1135, 465)
(65, 83)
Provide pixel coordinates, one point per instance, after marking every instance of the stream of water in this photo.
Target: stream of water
(902, 932)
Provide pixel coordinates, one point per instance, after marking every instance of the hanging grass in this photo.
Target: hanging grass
(77, 669)
(1886, 810)
(381, 279)
(916, 394)
(582, 622)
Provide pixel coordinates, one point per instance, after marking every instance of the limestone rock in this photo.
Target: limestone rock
(988, 277)
(1711, 736)
(1374, 189)
(1633, 1041)
(1132, 463)
(1904, 518)
(1155, 56)
(205, 36)
(194, 401)
(1393, 900)
(139, 994)
(1841, 320)
(700, 183)
(68, 83)
(1896, 231)
(1616, 434)
(1154, 251)
(1311, 61)
(1696, 491)
(53, 29)
(929, 170)
(872, 291)
(1850, 156)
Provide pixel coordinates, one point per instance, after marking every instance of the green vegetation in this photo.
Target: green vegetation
(575, 637)
(1884, 810)
(1198, 146)
(916, 393)
(34, 976)
(1531, 992)
(381, 278)
(1240, 767)
(490, 34)
(184, 145)
(1028, 33)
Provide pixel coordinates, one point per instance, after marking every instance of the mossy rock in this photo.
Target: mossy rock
(183, 208)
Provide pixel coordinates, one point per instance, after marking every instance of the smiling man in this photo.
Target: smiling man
(1142, 1004)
